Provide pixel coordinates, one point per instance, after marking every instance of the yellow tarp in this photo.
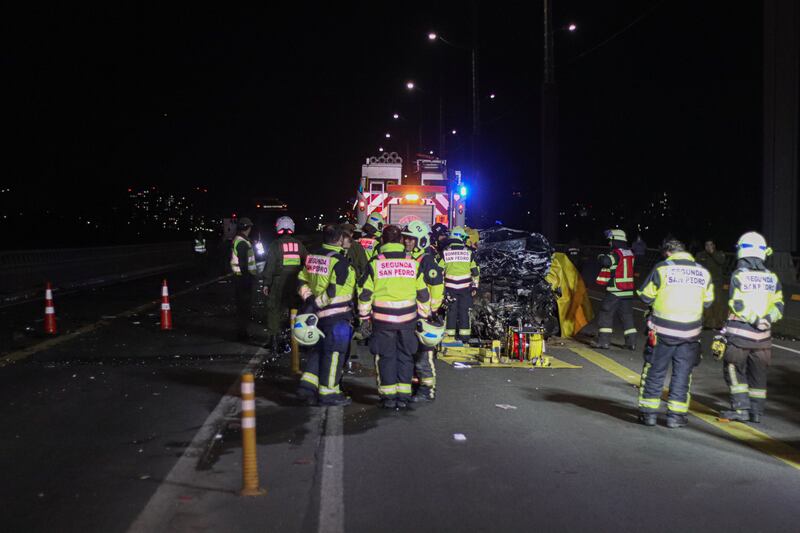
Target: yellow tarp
(574, 307)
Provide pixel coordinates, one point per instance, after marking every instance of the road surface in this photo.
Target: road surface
(128, 428)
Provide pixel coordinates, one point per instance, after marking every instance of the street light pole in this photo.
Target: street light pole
(549, 135)
(475, 103)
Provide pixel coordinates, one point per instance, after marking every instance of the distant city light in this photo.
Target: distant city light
(453, 132)
(431, 152)
(410, 85)
(572, 27)
(395, 116)
(432, 36)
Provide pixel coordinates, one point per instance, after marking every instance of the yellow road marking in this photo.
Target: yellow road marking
(24, 353)
(745, 433)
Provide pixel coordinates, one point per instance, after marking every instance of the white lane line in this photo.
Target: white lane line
(162, 506)
(786, 348)
(331, 505)
(773, 344)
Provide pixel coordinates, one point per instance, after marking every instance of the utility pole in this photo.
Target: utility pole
(476, 111)
(549, 134)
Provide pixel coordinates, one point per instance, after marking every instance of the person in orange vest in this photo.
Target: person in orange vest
(616, 275)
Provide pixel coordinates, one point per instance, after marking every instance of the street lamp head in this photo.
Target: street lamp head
(453, 132)
(431, 152)
(396, 116)
(380, 149)
(388, 135)
(432, 36)
(410, 85)
(572, 27)
(492, 96)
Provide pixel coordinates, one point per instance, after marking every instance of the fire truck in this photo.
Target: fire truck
(429, 195)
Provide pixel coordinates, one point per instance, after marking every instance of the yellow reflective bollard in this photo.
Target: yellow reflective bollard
(295, 347)
(249, 460)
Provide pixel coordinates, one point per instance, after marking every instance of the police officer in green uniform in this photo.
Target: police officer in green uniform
(676, 290)
(392, 299)
(285, 258)
(756, 302)
(417, 239)
(326, 287)
(243, 266)
(461, 279)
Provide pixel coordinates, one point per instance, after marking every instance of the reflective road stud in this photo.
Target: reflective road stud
(166, 311)
(295, 347)
(49, 311)
(249, 460)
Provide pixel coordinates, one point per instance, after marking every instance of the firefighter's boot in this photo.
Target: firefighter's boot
(737, 415)
(648, 419)
(676, 420)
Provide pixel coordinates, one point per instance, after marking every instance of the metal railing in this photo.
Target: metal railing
(26, 269)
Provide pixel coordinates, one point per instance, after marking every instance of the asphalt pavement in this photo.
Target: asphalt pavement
(128, 428)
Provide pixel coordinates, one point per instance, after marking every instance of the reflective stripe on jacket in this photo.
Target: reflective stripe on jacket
(330, 280)
(394, 294)
(251, 257)
(677, 290)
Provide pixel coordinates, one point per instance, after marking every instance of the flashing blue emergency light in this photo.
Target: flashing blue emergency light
(463, 191)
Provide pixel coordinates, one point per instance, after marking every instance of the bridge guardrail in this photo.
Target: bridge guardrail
(26, 269)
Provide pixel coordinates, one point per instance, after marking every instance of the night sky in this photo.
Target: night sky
(288, 102)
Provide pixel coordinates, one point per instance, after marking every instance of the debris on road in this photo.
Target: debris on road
(505, 406)
(459, 437)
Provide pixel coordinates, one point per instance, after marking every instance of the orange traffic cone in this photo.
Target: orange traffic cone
(166, 312)
(49, 311)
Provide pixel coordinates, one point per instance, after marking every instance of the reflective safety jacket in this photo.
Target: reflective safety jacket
(755, 296)
(677, 290)
(199, 246)
(433, 275)
(285, 257)
(370, 246)
(242, 246)
(329, 279)
(461, 272)
(394, 294)
(616, 273)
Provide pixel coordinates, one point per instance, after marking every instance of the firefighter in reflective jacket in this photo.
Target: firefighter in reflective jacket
(372, 229)
(393, 297)
(417, 239)
(326, 286)
(677, 290)
(756, 302)
(285, 258)
(243, 266)
(461, 279)
(616, 275)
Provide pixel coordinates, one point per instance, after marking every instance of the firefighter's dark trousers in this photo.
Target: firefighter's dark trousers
(683, 357)
(324, 362)
(243, 296)
(425, 367)
(458, 314)
(394, 361)
(282, 296)
(611, 306)
(745, 373)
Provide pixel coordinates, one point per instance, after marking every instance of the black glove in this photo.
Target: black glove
(365, 328)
